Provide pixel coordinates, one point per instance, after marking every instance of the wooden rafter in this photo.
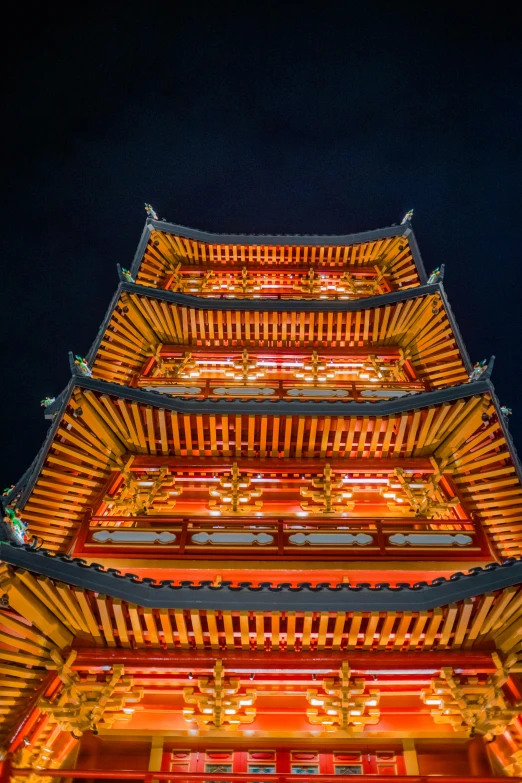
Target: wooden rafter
(482, 623)
(419, 327)
(391, 253)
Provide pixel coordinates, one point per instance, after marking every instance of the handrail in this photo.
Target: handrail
(283, 531)
(355, 390)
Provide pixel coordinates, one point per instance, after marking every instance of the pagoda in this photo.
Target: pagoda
(273, 532)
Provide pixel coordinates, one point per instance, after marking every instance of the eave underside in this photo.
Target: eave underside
(162, 245)
(55, 604)
(101, 424)
(418, 322)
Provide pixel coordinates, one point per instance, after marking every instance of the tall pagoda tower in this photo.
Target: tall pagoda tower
(273, 531)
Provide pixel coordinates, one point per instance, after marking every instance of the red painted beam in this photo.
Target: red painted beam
(278, 267)
(188, 777)
(344, 352)
(286, 464)
(285, 662)
(389, 523)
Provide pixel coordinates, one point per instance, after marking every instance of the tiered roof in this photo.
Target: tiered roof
(123, 410)
(129, 419)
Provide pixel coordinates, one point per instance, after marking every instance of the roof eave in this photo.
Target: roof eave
(281, 305)
(266, 596)
(261, 407)
(309, 240)
(278, 239)
(413, 401)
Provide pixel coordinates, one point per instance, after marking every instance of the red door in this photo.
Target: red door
(306, 763)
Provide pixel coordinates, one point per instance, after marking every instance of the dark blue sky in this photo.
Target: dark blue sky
(276, 117)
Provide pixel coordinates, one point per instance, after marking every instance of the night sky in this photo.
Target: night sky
(283, 117)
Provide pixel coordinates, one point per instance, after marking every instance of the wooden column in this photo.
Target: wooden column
(156, 755)
(411, 762)
(477, 757)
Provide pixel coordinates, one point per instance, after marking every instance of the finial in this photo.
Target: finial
(151, 212)
(407, 217)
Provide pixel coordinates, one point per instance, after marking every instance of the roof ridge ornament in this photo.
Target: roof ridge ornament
(79, 365)
(506, 413)
(437, 276)
(13, 529)
(407, 217)
(125, 274)
(482, 370)
(151, 213)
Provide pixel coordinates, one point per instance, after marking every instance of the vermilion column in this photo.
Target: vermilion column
(477, 757)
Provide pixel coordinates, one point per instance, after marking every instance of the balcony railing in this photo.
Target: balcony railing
(265, 388)
(272, 539)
